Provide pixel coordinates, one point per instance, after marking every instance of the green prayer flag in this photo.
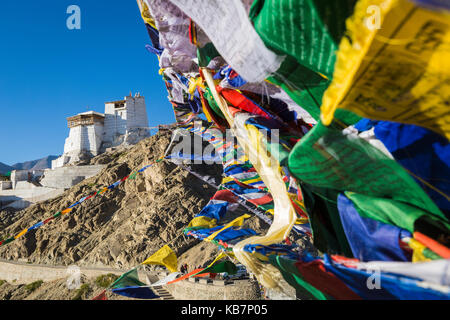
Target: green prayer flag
(303, 86)
(308, 33)
(308, 30)
(206, 54)
(391, 212)
(326, 226)
(327, 158)
(8, 240)
(132, 176)
(224, 266)
(427, 253)
(128, 279)
(212, 103)
(268, 206)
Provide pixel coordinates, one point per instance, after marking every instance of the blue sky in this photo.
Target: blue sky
(48, 72)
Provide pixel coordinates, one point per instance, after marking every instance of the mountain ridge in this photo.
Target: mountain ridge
(4, 168)
(38, 164)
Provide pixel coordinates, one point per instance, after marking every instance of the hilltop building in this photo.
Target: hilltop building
(124, 122)
(91, 133)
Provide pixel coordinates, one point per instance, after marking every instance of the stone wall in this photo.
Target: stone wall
(17, 176)
(5, 185)
(205, 289)
(22, 273)
(23, 198)
(31, 194)
(67, 177)
(60, 162)
(23, 185)
(53, 184)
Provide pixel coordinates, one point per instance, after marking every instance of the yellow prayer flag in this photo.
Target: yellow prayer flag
(235, 223)
(227, 179)
(252, 180)
(417, 251)
(302, 220)
(202, 221)
(145, 13)
(219, 257)
(205, 111)
(165, 257)
(66, 211)
(260, 256)
(21, 233)
(398, 70)
(194, 83)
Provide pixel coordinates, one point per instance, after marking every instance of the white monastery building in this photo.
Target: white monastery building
(124, 122)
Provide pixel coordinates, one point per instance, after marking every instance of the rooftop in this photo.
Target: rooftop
(91, 113)
(116, 102)
(85, 119)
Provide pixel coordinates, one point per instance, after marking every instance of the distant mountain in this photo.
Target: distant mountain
(4, 168)
(38, 164)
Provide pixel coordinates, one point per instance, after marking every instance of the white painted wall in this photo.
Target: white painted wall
(5, 185)
(60, 162)
(32, 195)
(121, 121)
(84, 138)
(137, 112)
(67, 177)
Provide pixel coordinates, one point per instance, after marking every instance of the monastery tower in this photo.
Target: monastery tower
(124, 122)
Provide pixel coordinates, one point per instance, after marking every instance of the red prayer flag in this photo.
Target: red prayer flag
(238, 100)
(101, 296)
(185, 276)
(261, 201)
(225, 195)
(48, 220)
(315, 273)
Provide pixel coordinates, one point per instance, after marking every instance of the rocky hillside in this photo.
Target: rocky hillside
(125, 225)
